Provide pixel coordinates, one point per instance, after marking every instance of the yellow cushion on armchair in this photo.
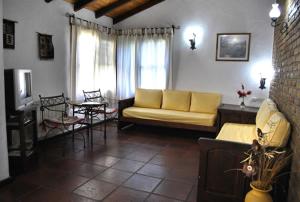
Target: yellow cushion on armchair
(148, 98)
(267, 108)
(277, 130)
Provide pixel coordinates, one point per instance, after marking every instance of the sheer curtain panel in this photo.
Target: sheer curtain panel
(92, 65)
(144, 60)
(126, 62)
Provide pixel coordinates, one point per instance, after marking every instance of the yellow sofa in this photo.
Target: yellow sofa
(268, 119)
(181, 109)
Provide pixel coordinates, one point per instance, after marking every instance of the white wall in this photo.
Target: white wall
(198, 70)
(49, 76)
(4, 173)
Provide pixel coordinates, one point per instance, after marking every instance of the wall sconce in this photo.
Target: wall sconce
(262, 83)
(193, 42)
(274, 15)
(193, 36)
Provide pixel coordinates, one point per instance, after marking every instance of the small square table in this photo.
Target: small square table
(90, 109)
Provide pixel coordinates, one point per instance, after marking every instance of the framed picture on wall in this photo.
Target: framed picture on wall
(46, 48)
(8, 34)
(233, 46)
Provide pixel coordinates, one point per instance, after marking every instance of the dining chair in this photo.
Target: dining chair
(55, 116)
(96, 96)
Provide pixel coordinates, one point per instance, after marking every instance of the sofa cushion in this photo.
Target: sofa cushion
(176, 100)
(234, 132)
(148, 98)
(205, 102)
(170, 116)
(277, 130)
(267, 108)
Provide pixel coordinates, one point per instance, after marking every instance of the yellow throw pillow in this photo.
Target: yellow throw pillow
(277, 130)
(176, 100)
(205, 102)
(148, 98)
(267, 108)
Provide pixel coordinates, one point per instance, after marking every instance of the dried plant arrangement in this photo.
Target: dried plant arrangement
(263, 164)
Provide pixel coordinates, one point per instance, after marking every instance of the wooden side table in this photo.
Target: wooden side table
(235, 114)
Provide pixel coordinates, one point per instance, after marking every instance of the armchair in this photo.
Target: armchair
(217, 181)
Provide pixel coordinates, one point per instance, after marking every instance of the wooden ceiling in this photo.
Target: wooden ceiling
(118, 10)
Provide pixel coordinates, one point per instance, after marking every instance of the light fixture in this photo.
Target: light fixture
(274, 15)
(262, 83)
(193, 42)
(193, 36)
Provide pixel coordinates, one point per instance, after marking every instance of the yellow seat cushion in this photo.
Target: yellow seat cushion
(277, 130)
(176, 100)
(148, 98)
(267, 108)
(234, 132)
(170, 116)
(205, 102)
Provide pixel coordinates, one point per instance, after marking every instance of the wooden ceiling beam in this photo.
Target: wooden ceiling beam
(81, 4)
(110, 7)
(136, 10)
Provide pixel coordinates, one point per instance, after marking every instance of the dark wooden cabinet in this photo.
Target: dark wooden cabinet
(235, 114)
(22, 140)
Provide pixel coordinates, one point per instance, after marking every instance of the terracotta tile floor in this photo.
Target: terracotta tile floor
(138, 164)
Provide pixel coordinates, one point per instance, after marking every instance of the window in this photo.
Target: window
(95, 62)
(153, 64)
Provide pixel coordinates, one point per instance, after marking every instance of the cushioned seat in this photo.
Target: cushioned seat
(204, 119)
(242, 133)
(272, 123)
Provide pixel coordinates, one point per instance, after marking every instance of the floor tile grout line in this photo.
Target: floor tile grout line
(161, 179)
(134, 173)
(139, 146)
(80, 185)
(84, 197)
(191, 191)
(27, 194)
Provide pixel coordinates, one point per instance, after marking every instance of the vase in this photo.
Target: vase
(242, 105)
(258, 195)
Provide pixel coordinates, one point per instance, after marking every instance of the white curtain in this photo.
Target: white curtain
(126, 50)
(150, 54)
(93, 65)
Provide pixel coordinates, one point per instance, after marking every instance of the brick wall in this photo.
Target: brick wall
(285, 88)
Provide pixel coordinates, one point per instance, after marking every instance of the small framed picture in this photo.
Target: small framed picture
(233, 46)
(8, 34)
(46, 49)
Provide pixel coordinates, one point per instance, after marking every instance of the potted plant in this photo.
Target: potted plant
(263, 165)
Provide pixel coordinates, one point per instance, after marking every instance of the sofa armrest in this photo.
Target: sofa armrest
(123, 104)
(218, 180)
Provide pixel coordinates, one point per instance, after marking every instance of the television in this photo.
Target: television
(18, 89)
